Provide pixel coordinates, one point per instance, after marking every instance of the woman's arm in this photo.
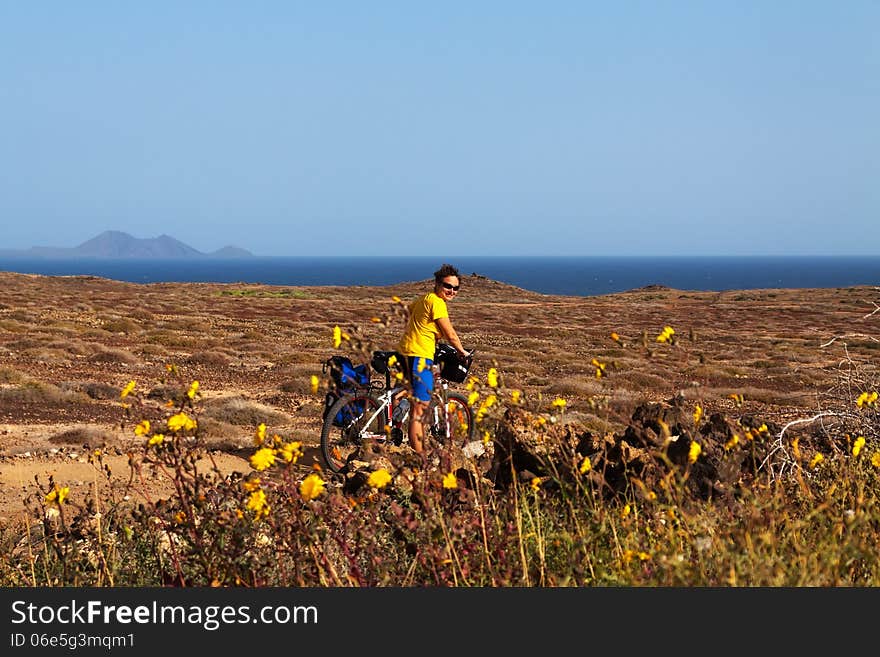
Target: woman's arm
(449, 333)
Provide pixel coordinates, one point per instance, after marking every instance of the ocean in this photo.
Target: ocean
(575, 276)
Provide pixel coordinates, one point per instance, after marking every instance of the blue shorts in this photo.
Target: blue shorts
(422, 381)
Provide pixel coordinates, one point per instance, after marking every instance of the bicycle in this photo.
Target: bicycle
(380, 412)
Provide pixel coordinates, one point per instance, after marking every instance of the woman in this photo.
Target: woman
(428, 320)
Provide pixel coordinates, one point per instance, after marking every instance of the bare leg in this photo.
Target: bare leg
(416, 428)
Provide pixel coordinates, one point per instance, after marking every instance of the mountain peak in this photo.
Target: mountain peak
(118, 244)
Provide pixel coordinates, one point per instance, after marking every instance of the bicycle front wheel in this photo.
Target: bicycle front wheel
(353, 419)
(454, 424)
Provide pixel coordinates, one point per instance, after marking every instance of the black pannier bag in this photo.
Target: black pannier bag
(346, 377)
(453, 367)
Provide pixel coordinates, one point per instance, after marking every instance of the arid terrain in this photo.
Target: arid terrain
(68, 345)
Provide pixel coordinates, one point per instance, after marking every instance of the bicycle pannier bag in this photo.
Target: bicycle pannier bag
(346, 378)
(453, 367)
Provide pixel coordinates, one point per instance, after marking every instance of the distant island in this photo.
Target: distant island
(116, 244)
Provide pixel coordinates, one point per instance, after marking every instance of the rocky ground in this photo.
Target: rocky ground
(68, 345)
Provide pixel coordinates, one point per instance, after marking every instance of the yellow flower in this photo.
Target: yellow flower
(450, 480)
(559, 402)
(734, 440)
(260, 434)
(694, 452)
(625, 511)
(58, 495)
(392, 360)
(866, 399)
(698, 414)
(486, 437)
(314, 384)
(127, 389)
(337, 337)
(258, 504)
(875, 460)
(181, 421)
(490, 401)
(252, 484)
(290, 452)
(311, 487)
(492, 377)
(857, 446)
(156, 439)
(473, 397)
(378, 479)
(193, 389)
(263, 458)
(395, 299)
(817, 459)
(615, 337)
(585, 465)
(666, 334)
(536, 483)
(143, 428)
(514, 396)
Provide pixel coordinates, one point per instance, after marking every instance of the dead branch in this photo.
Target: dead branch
(850, 335)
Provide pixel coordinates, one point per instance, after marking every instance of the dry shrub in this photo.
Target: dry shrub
(23, 316)
(212, 358)
(229, 436)
(141, 315)
(120, 325)
(114, 356)
(151, 350)
(92, 389)
(10, 375)
(83, 435)
(48, 355)
(242, 412)
(749, 393)
(311, 409)
(39, 392)
(299, 385)
(185, 324)
(11, 326)
(25, 344)
(173, 339)
(72, 347)
(296, 356)
(568, 387)
(641, 381)
(166, 393)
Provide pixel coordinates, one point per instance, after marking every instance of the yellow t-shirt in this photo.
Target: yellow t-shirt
(420, 336)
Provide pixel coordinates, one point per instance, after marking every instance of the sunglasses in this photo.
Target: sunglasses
(450, 286)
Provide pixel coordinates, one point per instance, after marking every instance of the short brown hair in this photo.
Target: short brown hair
(444, 271)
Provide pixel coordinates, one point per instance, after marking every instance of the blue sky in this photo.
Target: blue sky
(460, 128)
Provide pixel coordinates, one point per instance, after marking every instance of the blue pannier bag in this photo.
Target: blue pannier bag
(346, 377)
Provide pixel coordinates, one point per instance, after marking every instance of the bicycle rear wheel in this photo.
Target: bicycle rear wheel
(354, 418)
(453, 425)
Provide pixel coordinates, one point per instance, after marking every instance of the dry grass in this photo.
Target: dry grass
(242, 412)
